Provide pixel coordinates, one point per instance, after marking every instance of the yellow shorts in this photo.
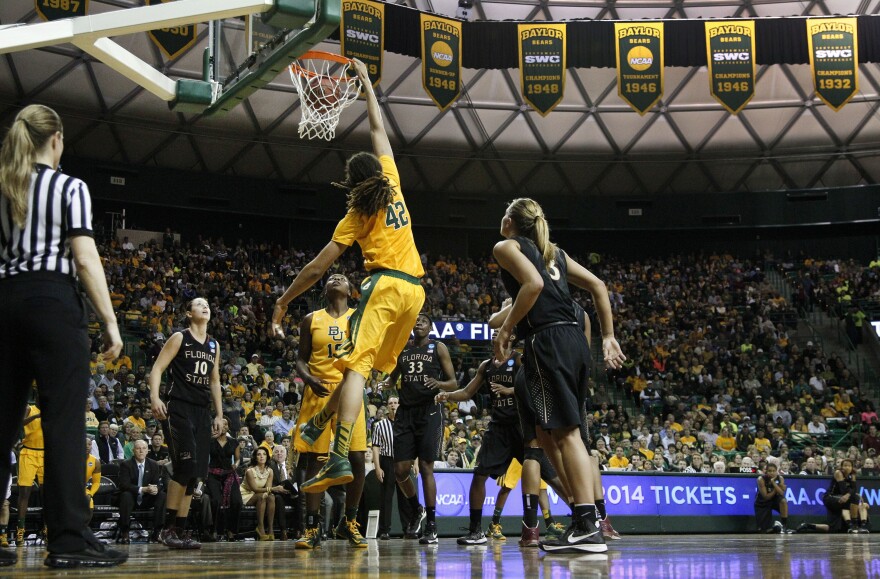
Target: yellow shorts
(381, 325)
(311, 404)
(30, 467)
(512, 476)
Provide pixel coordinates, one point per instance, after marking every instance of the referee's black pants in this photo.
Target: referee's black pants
(388, 487)
(43, 337)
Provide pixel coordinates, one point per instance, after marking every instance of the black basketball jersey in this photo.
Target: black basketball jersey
(554, 303)
(416, 364)
(503, 407)
(191, 370)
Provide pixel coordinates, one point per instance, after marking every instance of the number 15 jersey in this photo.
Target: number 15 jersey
(328, 335)
(416, 364)
(191, 370)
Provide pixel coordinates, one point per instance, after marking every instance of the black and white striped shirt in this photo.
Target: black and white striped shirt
(59, 208)
(383, 437)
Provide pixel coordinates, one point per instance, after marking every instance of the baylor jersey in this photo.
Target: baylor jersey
(416, 364)
(328, 335)
(191, 370)
(503, 407)
(554, 301)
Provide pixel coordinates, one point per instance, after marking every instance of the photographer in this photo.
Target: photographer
(771, 497)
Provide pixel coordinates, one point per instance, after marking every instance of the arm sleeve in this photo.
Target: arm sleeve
(95, 483)
(79, 208)
(347, 229)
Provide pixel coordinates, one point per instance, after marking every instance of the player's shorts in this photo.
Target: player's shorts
(31, 466)
(381, 325)
(502, 444)
(557, 370)
(188, 430)
(311, 404)
(524, 409)
(510, 478)
(418, 433)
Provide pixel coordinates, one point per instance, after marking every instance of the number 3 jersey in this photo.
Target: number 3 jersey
(328, 335)
(417, 364)
(191, 370)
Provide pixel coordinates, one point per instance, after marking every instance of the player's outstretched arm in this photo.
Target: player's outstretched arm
(468, 391)
(381, 145)
(306, 278)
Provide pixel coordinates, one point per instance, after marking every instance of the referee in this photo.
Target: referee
(46, 242)
(383, 459)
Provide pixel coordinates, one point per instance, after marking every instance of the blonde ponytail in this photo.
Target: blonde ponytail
(31, 130)
(529, 219)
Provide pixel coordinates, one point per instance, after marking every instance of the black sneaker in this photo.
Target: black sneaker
(472, 538)
(188, 542)
(430, 535)
(8, 558)
(415, 524)
(576, 540)
(94, 555)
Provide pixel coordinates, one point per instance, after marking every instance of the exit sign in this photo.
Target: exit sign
(635, 212)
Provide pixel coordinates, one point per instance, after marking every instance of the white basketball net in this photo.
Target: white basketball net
(322, 102)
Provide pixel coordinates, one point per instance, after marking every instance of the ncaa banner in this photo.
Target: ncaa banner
(834, 59)
(58, 9)
(362, 34)
(172, 41)
(441, 59)
(542, 65)
(639, 63)
(730, 52)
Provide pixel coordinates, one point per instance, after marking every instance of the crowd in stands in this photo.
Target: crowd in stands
(715, 379)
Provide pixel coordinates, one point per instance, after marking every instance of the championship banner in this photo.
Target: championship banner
(58, 9)
(362, 34)
(172, 41)
(542, 65)
(639, 63)
(730, 51)
(834, 59)
(441, 59)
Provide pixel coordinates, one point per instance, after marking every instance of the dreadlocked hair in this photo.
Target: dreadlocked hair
(368, 190)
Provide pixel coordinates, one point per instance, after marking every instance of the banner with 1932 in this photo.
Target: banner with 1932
(834, 59)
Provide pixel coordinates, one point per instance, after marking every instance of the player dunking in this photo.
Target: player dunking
(193, 357)
(391, 297)
(321, 334)
(536, 274)
(418, 426)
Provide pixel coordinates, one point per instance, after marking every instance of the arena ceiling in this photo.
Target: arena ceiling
(490, 142)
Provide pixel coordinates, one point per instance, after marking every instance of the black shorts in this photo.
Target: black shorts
(557, 363)
(501, 444)
(418, 433)
(524, 409)
(188, 431)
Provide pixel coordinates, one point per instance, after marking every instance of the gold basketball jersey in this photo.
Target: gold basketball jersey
(328, 335)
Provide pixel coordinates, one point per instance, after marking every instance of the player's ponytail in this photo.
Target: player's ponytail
(368, 190)
(31, 130)
(530, 222)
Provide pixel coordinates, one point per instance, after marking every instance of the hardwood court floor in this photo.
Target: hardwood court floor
(705, 556)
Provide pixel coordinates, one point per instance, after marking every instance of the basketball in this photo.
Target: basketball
(321, 93)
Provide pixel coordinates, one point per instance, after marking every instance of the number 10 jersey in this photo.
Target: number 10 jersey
(191, 370)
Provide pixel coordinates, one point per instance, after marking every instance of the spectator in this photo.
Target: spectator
(726, 442)
(224, 484)
(106, 446)
(256, 490)
(284, 489)
(618, 461)
(140, 486)
(158, 451)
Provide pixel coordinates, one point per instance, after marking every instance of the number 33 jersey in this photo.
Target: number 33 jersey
(417, 364)
(191, 370)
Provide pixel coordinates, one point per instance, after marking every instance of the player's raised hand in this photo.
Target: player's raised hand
(277, 317)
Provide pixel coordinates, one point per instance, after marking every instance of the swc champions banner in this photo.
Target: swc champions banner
(834, 58)
(362, 34)
(639, 63)
(670, 495)
(542, 64)
(58, 9)
(441, 59)
(730, 51)
(175, 40)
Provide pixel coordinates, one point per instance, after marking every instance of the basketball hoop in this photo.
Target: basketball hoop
(323, 95)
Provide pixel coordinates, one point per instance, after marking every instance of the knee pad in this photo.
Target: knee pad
(531, 453)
